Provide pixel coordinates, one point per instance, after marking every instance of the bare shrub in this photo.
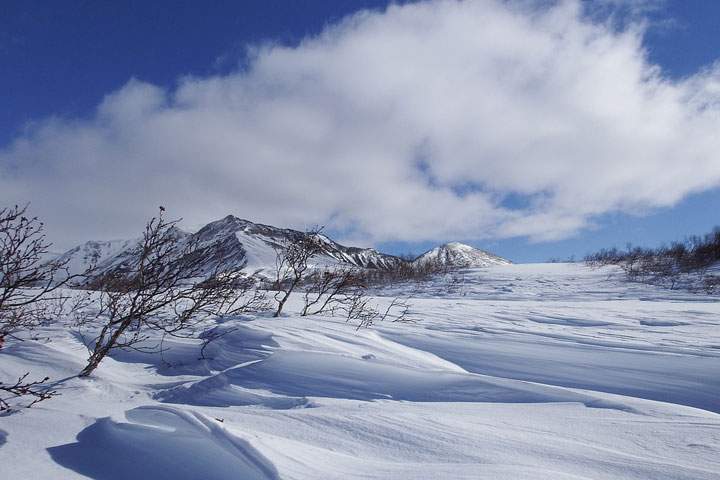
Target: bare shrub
(23, 388)
(359, 309)
(164, 290)
(329, 288)
(407, 271)
(26, 279)
(711, 284)
(292, 264)
(26, 285)
(680, 265)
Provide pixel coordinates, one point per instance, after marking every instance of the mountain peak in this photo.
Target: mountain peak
(457, 246)
(460, 255)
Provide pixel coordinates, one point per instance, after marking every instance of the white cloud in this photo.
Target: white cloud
(411, 124)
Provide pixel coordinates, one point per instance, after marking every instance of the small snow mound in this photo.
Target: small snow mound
(156, 444)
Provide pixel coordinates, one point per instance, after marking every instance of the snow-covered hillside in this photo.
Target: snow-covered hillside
(552, 371)
(459, 255)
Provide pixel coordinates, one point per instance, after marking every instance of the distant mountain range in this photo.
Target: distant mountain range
(236, 244)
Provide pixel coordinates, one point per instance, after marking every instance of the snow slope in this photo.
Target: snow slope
(552, 371)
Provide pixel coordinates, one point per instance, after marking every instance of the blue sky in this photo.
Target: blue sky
(62, 59)
(400, 128)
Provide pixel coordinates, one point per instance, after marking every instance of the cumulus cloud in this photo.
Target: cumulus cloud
(422, 122)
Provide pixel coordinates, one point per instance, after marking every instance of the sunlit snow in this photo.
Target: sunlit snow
(548, 371)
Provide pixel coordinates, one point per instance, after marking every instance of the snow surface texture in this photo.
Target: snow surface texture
(553, 371)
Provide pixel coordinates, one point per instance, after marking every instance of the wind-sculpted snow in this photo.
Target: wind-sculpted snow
(636, 372)
(162, 442)
(298, 374)
(510, 372)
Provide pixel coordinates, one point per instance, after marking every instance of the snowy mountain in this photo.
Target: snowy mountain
(231, 243)
(459, 255)
(236, 244)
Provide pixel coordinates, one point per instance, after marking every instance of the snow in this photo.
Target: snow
(510, 372)
(103, 449)
(260, 254)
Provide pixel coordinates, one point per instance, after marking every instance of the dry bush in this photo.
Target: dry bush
(292, 264)
(163, 291)
(26, 285)
(678, 265)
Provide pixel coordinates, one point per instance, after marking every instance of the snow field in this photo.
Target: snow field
(550, 371)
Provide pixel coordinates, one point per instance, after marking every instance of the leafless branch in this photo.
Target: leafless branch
(24, 388)
(164, 290)
(292, 263)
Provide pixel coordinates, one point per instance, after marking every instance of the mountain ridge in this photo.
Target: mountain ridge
(233, 243)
